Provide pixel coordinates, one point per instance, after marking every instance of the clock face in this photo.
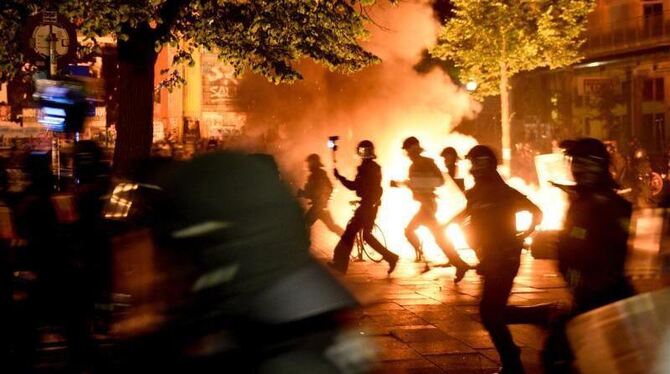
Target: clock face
(41, 41)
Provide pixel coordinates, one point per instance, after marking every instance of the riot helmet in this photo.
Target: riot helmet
(412, 143)
(590, 162)
(483, 160)
(366, 150)
(314, 159)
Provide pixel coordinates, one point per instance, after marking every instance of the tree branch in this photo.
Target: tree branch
(168, 15)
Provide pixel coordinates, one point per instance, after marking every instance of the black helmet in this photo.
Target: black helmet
(449, 151)
(411, 143)
(590, 162)
(366, 149)
(314, 159)
(483, 160)
(586, 147)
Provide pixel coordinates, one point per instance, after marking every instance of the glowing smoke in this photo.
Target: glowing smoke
(384, 103)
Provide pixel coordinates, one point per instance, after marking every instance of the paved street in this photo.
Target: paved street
(423, 323)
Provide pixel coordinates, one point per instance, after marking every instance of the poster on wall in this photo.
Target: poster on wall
(597, 86)
(221, 125)
(5, 112)
(219, 85)
(159, 131)
(191, 130)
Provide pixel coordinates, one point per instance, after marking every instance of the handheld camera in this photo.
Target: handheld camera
(332, 144)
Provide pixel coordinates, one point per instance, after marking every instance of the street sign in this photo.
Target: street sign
(50, 34)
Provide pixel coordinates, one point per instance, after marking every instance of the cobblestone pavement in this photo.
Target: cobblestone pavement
(424, 323)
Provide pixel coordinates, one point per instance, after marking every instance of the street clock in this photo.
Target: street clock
(51, 40)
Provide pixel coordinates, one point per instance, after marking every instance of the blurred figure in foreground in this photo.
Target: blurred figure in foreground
(451, 158)
(6, 266)
(368, 186)
(491, 210)
(88, 251)
(43, 259)
(593, 244)
(66, 252)
(234, 287)
(318, 190)
(424, 178)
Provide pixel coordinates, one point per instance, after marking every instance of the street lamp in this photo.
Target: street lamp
(471, 85)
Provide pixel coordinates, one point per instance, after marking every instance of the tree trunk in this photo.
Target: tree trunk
(134, 129)
(505, 117)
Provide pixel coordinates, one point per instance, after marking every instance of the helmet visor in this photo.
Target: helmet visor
(365, 152)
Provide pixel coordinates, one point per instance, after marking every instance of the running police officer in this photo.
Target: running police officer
(451, 158)
(424, 178)
(318, 190)
(491, 209)
(367, 186)
(592, 246)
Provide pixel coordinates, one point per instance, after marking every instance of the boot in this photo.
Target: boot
(393, 261)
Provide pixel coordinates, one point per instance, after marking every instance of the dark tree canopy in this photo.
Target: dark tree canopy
(263, 36)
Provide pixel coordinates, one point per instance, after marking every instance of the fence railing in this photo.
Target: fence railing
(628, 35)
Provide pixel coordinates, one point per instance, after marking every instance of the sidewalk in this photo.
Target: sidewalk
(423, 323)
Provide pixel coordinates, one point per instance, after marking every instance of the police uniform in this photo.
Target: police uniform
(593, 245)
(492, 209)
(424, 177)
(367, 186)
(318, 190)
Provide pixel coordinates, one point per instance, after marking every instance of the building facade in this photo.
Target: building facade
(621, 89)
(204, 107)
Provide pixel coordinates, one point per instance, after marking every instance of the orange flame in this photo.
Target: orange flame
(398, 207)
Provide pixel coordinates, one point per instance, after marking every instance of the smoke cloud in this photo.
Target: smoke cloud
(384, 103)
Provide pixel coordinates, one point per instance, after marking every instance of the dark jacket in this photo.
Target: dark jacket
(368, 183)
(492, 209)
(318, 188)
(424, 178)
(593, 247)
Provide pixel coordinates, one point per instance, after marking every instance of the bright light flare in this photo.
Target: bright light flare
(398, 207)
(471, 85)
(523, 220)
(457, 237)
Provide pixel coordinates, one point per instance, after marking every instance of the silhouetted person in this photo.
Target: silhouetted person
(237, 287)
(618, 166)
(491, 209)
(318, 190)
(367, 186)
(37, 224)
(642, 173)
(89, 253)
(593, 245)
(6, 268)
(451, 158)
(424, 178)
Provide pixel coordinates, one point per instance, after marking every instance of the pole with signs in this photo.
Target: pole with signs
(53, 66)
(53, 38)
(50, 37)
